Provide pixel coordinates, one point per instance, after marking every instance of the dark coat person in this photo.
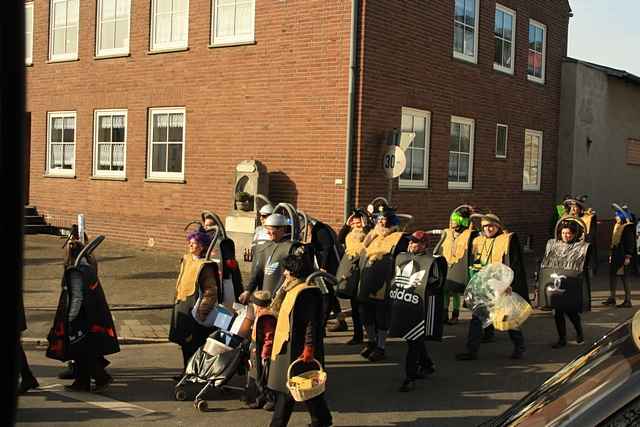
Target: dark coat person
(298, 335)
(83, 328)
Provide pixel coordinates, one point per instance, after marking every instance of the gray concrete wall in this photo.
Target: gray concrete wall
(606, 110)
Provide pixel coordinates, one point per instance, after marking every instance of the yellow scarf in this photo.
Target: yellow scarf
(618, 228)
(380, 242)
(188, 279)
(283, 327)
(493, 250)
(354, 242)
(454, 248)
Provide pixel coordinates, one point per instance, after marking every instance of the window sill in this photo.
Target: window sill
(535, 80)
(410, 187)
(531, 190)
(166, 180)
(502, 70)
(28, 64)
(501, 157)
(231, 44)
(169, 50)
(107, 178)
(114, 55)
(50, 175)
(55, 61)
(459, 187)
(466, 59)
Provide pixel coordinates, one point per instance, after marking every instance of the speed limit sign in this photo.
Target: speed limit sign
(394, 162)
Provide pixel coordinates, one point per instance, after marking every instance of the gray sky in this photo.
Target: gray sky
(606, 32)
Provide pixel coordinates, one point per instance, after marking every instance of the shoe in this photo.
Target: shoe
(625, 304)
(68, 373)
(340, 326)
(75, 387)
(455, 314)
(258, 404)
(580, 339)
(561, 343)
(100, 387)
(377, 355)
(407, 385)
(423, 372)
(488, 338)
(609, 301)
(269, 406)
(354, 341)
(517, 354)
(28, 384)
(366, 351)
(466, 356)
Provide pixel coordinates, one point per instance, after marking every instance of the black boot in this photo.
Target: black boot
(562, 342)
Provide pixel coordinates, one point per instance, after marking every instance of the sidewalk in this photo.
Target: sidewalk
(140, 284)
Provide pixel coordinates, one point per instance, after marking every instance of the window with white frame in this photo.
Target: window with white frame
(28, 33)
(461, 152)
(61, 143)
(166, 143)
(505, 33)
(233, 21)
(112, 29)
(502, 133)
(169, 24)
(532, 160)
(537, 46)
(465, 30)
(110, 143)
(416, 173)
(63, 36)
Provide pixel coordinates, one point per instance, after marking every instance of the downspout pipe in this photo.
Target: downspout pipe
(353, 58)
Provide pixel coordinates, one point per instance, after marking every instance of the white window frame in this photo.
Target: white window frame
(544, 51)
(419, 183)
(113, 51)
(537, 185)
(470, 58)
(155, 46)
(57, 171)
(96, 129)
(499, 67)
(506, 142)
(235, 39)
(64, 56)
(166, 176)
(28, 59)
(472, 123)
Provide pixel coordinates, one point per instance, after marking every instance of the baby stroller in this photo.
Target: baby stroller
(215, 363)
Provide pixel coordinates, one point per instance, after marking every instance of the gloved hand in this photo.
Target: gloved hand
(307, 354)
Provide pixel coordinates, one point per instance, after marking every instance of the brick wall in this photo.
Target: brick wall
(407, 61)
(282, 101)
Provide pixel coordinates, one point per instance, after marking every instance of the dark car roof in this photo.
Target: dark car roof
(587, 390)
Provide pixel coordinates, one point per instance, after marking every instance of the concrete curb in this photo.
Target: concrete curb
(42, 342)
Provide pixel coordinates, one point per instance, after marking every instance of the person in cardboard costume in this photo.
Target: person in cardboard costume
(577, 207)
(417, 305)
(377, 261)
(455, 247)
(83, 328)
(496, 245)
(198, 283)
(298, 335)
(621, 256)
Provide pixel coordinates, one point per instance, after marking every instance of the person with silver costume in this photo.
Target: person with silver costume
(564, 280)
(621, 256)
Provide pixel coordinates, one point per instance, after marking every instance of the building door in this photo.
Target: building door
(27, 154)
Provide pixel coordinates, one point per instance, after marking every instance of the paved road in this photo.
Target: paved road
(359, 393)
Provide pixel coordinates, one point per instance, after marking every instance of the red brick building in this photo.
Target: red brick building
(140, 110)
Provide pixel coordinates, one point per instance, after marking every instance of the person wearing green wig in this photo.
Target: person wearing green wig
(454, 246)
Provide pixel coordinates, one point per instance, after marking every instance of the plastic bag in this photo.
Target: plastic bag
(484, 288)
(510, 312)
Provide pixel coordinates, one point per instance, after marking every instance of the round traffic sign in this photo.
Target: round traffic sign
(394, 162)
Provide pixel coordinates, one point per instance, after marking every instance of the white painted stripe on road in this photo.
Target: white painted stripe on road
(100, 401)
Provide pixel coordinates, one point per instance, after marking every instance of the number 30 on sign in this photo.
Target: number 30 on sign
(394, 162)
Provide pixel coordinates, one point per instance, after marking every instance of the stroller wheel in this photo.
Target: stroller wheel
(181, 395)
(201, 405)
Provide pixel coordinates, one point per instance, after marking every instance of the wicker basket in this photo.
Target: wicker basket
(308, 384)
